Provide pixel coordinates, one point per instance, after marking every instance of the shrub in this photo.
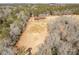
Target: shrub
(13, 19)
(63, 37)
(64, 33)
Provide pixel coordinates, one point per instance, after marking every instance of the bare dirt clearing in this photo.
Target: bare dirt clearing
(35, 33)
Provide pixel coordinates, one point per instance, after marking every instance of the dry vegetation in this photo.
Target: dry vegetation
(63, 32)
